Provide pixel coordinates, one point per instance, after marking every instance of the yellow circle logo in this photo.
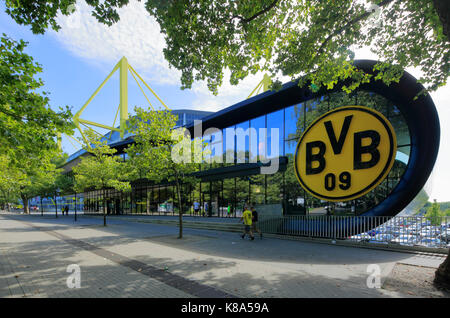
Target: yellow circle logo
(345, 153)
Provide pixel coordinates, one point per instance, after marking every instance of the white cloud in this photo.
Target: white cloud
(136, 36)
(228, 94)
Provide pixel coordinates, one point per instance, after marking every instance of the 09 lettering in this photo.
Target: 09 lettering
(345, 179)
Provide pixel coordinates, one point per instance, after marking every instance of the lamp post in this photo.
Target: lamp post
(56, 203)
(75, 206)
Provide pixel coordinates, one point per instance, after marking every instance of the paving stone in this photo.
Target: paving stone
(122, 260)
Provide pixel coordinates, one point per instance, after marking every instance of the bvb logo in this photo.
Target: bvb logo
(345, 153)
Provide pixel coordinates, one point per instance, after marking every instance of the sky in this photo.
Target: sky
(81, 55)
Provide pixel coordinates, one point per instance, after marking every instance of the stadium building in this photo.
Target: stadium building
(222, 188)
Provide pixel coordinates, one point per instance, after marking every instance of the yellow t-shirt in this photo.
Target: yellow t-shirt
(247, 215)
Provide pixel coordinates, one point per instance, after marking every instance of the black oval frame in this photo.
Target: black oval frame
(421, 117)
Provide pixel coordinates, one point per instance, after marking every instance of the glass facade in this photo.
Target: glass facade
(50, 204)
(226, 196)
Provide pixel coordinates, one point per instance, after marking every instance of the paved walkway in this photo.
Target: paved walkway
(130, 259)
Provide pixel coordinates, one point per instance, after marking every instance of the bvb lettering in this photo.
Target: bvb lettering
(345, 153)
(358, 151)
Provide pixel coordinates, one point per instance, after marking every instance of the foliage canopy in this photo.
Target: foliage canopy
(315, 38)
(28, 126)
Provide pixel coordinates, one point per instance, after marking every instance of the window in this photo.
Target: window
(258, 144)
(275, 137)
(293, 127)
(229, 146)
(242, 142)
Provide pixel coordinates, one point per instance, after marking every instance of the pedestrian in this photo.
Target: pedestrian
(247, 217)
(206, 206)
(196, 208)
(67, 209)
(255, 222)
(62, 210)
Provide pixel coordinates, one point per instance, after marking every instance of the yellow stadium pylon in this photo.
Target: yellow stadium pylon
(264, 84)
(123, 68)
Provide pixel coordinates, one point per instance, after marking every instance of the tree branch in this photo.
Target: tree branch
(11, 114)
(443, 10)
(349, 24)
(257, 14)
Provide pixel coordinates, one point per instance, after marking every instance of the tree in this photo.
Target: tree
(33, 174)
(28, 126)
(27, 123)
(434, 214)
(315, 38)
(101, 170)
(8, 185)
(48, 189)
(161, 153)
(42, 14)
(55, 183)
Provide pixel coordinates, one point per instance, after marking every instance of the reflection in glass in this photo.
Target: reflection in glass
(216, 148)
(401, 130)
(206, 198)
(242, 194)
(216, 198)
(274, 188)
(260, 143)
(206, 162)
(275, 121)
(242, 142)
(229, 196)
(257, 189)
(374, 101)
(196, 196)
(293, 127)
(229, 146)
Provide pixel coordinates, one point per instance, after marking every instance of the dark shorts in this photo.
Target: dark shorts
(247, 228)
(254, 225)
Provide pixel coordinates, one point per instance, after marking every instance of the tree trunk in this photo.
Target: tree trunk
(104, 207)
(75, 207)
(180, 206)
(442, 276)
(148, 202)
(443, 10)
(25, 204)
(5, 199)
